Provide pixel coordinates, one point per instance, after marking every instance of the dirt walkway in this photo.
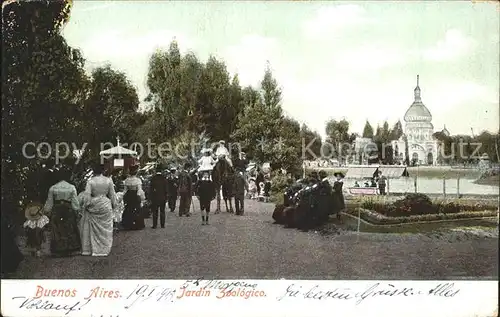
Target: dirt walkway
(251, 246)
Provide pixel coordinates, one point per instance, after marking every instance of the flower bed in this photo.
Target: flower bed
(380, 219)
(420, 204)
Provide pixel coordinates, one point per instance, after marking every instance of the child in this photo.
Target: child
(206, 193)
(35, 224)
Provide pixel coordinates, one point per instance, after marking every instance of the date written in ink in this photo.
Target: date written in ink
(145, 292)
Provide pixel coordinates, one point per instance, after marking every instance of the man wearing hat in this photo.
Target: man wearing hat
(241, 163)
(158, 194)
(172, 188)
(185, 190)
(223, 152)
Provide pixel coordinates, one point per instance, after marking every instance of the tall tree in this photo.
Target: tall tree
(397, 131)
(368, 130)
(44, 85)
(264, 132)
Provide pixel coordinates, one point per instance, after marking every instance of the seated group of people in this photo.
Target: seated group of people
(379, 182)
(309, 202)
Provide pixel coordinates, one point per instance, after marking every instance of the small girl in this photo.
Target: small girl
(35, 224)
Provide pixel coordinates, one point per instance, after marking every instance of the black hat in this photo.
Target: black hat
(322, 174)
(187, 165)
(337, 174)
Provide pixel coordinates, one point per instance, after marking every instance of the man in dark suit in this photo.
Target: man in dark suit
(240, 185)
(158, 196)
(185, 190)
(172, 187)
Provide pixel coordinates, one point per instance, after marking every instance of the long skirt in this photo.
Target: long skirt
(65, 237)
(96, 227)
(133, 217)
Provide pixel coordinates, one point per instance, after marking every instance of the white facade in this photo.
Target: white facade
(418, 129)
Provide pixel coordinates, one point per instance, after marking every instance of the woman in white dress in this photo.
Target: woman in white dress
(133, 196)
(96, 226)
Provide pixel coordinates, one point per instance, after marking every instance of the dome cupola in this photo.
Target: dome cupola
(417, 112)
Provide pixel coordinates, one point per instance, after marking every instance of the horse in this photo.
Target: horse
(223, 177)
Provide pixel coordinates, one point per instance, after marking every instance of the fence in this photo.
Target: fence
(443, 187)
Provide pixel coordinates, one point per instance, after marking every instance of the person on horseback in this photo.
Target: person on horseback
(206, 162)
(223, 153)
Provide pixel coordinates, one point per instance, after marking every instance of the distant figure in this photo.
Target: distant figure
(356, 184)
(172, 189)
(158, 196)
(382, 183)
(133, 196)
(240, 185)
(185, 190)
(223, 153)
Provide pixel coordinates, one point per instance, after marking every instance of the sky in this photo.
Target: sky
(333, 60)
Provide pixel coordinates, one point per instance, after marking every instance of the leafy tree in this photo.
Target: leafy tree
(338, 136)
(368, 130)
(308, 136)
(164, 83)
(262, 129)
(397, 131)
(112, 107)
(44, 86)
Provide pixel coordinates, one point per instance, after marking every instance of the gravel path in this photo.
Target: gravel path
(252, 246)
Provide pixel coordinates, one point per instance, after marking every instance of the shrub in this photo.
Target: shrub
(419, 204)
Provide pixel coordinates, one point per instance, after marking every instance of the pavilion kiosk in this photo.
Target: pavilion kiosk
(369, 172)
(118, 157)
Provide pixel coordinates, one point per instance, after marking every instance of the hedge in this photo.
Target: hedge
(420, 204)
(379, 219)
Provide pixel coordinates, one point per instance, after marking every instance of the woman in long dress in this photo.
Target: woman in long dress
(132, 217)
(338, 195)
(96, 225)
(63, 207)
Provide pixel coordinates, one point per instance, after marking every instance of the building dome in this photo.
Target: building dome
(445, 131)
(417, 112)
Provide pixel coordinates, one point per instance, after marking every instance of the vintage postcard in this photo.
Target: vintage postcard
(264, 158)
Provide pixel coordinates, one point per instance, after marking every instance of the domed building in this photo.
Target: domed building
(418, 130)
